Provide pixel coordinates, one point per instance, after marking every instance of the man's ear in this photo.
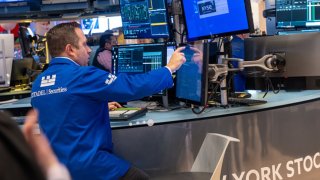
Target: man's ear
(70, 50)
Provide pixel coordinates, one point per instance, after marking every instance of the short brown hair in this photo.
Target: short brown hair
(60, 35)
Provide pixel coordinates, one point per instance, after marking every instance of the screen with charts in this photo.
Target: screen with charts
(297, 13)
(144, 19)
(138, 58)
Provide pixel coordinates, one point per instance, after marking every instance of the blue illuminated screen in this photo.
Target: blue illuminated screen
(13, 1)
(190, 77)
(207, 18)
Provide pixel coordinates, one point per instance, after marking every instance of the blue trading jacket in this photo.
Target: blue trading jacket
(72, 101)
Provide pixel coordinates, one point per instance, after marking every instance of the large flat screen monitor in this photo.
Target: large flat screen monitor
(301, 52)
(192, 77)
(138, 58)
(295, 14)
(211, 18)
(20, 68)
(144, 19)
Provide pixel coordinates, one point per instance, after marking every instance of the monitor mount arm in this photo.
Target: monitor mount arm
(219, 72)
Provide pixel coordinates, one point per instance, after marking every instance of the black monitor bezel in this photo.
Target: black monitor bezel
(204, 79)
(250, 28)
(168, 26)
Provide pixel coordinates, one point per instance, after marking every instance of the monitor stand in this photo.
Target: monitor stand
(169, 105)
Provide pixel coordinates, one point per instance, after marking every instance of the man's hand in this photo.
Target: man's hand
(113, 106)
(177, 59)
(104, 58)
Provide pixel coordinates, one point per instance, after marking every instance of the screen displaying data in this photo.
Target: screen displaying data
(297, 13)
(144, 19)
(138, 58)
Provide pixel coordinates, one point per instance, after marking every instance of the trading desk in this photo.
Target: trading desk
(14, 94)
(278, 140)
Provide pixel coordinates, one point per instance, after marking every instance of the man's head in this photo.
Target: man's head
(68, 40)
(108, 40)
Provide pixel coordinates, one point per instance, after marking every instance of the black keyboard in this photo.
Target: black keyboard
(245, 101)
(124, 114)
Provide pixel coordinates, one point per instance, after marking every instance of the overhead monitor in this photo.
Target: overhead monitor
(100, 24)
(192, 77)
(61, 1)
(212, 18)
(144, 19)
(13, 2)
(295, 14)
(64, 5)
(7, 1)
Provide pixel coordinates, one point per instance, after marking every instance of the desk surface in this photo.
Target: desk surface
(180, 115)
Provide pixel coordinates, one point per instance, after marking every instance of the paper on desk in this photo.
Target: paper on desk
(8, 101)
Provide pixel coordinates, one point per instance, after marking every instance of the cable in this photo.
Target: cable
(197, 112)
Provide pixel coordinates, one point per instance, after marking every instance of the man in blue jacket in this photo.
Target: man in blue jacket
(72, 100)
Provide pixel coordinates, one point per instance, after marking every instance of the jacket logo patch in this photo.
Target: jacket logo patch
(110, 79)
(48, 81)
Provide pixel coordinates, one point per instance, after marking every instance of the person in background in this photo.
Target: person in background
(27, 157)
(71, 98)
(103, 57)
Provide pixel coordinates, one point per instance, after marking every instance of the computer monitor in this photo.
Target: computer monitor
(13, 2)
(295, 14)
(144, 19)
(301, 52)
(20, 68)
(208, 18)
(138, 58)
(192, 77)
(99, 25)
(6, 56)
(25, 39)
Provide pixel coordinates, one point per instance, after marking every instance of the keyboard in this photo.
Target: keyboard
(124, 114)
(245, 101)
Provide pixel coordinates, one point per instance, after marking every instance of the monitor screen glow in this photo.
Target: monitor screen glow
(211, 18)
(144, 19)
(192, 77)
